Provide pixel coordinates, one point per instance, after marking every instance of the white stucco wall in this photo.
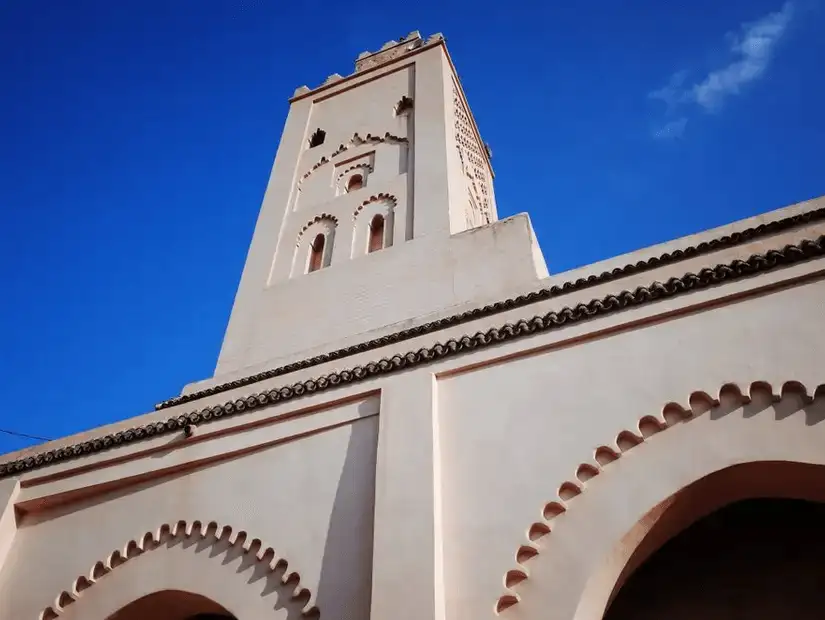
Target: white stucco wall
(331, 468)
(524, 427)
(474, 466)
(435, 474)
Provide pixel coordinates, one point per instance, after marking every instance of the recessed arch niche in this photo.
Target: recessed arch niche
(746, 541)
(617, 517)
(374, 225)
(172, 605)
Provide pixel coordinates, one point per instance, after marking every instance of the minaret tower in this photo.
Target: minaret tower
(376, 176)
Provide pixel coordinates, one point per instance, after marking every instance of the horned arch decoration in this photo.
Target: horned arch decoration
(212, 533)
(671, 415)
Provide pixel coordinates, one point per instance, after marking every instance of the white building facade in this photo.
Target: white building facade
(410, 419)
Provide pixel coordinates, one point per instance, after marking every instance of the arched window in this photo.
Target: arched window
(317, 138)
(316, 253)
(376, 239)
(355, 182)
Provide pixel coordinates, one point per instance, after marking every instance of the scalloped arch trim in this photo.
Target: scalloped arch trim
(346, 171)
(322, 217)
(672, 413)
(353, 142)
(376, 198)
(151, 540)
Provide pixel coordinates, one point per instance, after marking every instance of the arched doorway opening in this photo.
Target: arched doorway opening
(172, 605)
(745, 542)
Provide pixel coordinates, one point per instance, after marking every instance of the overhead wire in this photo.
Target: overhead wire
(24, 435)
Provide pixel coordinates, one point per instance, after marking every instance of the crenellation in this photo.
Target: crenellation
(391, 51)
(335, 77)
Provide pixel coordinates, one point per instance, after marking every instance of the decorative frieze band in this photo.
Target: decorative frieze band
(674, 287)
(668, 258)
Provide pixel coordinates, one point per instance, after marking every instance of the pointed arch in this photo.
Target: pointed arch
(220, 540)
(792, 399)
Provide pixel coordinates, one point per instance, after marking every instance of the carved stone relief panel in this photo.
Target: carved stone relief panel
(472, 161)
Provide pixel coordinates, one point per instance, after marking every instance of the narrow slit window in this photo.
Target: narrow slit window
(317, 138)
(376, 241)
(316, 253)
(355, 182)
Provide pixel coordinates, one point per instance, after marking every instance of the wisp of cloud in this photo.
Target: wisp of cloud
(751, 47)
(672, 130)
(752, 50)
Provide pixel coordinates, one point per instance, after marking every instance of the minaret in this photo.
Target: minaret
(376, 175)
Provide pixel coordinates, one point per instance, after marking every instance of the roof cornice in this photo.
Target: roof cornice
(668, 258)
(674, 287)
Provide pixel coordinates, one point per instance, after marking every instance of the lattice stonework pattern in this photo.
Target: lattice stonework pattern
(472, 160)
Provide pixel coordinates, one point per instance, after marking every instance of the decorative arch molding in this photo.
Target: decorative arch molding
(353, 178)
(730, 396)
(325, 219)
(379, 204)
(387, 199)
(350, 169)
(322, 225)
(265, 559)
(353, 142)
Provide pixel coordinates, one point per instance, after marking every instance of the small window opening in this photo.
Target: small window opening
(355, 182)
(376, 234)
(404, 105)
(317, 138)
(316, 253)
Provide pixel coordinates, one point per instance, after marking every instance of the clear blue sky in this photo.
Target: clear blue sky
(136, 138)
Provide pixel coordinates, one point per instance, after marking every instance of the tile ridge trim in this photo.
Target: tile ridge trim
(674, 287)
(642, 266)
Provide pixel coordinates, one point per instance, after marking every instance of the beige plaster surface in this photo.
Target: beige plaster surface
(545, 415)
(331, 548)
(519, 477)
(411, 161)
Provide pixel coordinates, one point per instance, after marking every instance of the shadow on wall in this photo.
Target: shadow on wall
(345, 585)
(790, 401)
(241, 557)
(767, 562)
